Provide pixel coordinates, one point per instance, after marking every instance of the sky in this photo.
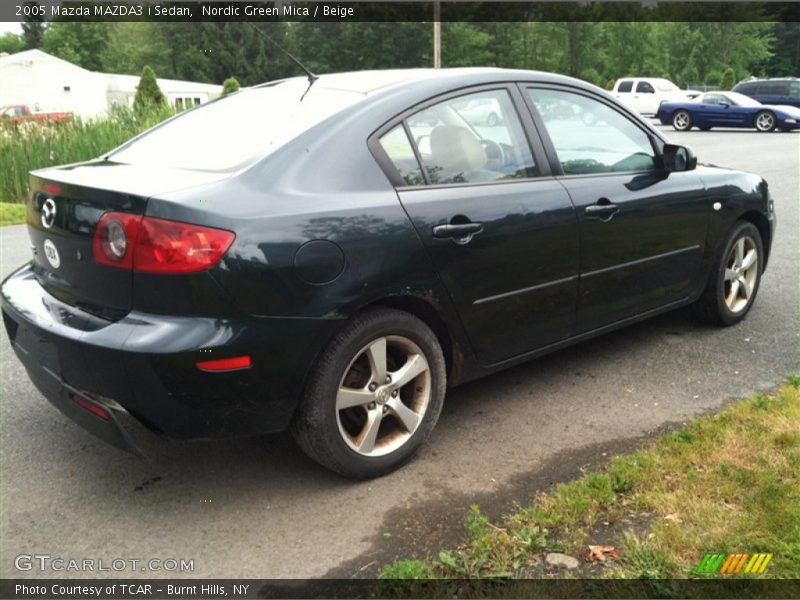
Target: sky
(6, 27)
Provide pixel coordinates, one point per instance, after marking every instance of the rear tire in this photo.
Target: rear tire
(682, 120)
(374, 396)
(765, 121)
(734, 279)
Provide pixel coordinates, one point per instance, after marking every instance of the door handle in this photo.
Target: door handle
(604, 209)
(460, 232)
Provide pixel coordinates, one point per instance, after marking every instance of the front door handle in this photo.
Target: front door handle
(460, 232)
(604, 209)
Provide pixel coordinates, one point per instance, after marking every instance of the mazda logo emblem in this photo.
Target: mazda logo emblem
(48, 213)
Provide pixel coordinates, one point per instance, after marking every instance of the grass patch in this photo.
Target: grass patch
(31, 145)
(725, 483)
(11, 213)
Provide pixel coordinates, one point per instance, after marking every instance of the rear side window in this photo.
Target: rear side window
(746, 88)
(774, 88)
(397, 147)
(625, 86)
(591, 137)
(239, 128)
(472, 138)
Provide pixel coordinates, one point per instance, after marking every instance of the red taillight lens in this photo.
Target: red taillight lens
(151, 245)
(173, 247)
(114, 239)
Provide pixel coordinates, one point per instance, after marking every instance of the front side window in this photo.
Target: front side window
(643, 87)
(715, 99)
(473, 138)
(592, 137)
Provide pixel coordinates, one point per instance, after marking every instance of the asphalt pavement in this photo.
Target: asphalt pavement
(259, 508)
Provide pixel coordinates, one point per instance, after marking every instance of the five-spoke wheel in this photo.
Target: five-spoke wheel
(682, 120)
(383, 396)
(734, 279)
(765, 121)
(374, 396)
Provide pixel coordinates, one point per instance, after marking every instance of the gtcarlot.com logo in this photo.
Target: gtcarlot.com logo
(46, 562)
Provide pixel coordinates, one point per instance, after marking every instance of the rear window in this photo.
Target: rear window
(237, 130)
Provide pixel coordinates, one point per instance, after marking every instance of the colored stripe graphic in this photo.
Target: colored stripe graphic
(734, 563)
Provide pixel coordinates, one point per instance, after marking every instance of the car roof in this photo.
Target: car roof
(369, 82)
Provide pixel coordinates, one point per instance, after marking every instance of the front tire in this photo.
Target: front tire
(765, 121)
(734, 280)
(682, 120)
(375, 395)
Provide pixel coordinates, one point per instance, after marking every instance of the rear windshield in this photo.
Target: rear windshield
(234, 131)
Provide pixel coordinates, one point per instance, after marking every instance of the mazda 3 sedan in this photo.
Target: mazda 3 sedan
(330, 255)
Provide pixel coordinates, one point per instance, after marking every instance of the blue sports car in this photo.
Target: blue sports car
(727, 109)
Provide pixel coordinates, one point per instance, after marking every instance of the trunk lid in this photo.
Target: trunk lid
(63, 209)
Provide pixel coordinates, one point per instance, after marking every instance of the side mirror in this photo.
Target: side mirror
(724, 105)
(678, 158)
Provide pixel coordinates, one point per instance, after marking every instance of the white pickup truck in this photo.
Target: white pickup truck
(644, 94)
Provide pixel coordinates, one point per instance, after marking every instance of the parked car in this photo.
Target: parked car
(16, 113)
(644, 94)
(482, 111)
(782, 92)
(728, 109)
(316, 266)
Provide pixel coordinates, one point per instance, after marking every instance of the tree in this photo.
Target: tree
(230, 86)
(148, 94)
(11, 43)
(33, 30)
(80, 43)
(728, 80)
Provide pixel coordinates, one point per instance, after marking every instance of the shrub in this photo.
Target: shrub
(148, 94)
(728, 79)
(230, 86)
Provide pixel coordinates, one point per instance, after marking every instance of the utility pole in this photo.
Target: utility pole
(437, 36)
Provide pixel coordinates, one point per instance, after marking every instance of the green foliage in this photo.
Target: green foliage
(28, 145)
(148, 94)
(11, 214)
(11, 43)
(794, 380)
(475, 523)
(728, 80)
(406, 569)
(33, 32)
(230, 86)
(82, 43)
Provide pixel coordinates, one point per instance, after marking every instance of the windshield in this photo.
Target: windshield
(742, 100)
(664, 85)
(239, 129)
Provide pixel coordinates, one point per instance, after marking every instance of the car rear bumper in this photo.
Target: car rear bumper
(145, 366)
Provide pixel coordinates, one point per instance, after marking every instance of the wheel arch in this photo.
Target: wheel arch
(762, 224)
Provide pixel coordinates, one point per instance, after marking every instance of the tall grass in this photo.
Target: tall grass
(29, 145)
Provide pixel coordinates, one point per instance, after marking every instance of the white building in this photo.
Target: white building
(50, 84)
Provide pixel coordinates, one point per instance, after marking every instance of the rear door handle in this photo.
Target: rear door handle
(460, 232)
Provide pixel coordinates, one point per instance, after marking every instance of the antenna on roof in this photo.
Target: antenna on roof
(311, 77)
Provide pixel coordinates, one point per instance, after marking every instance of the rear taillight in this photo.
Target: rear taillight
(114, 239)
(151, 245)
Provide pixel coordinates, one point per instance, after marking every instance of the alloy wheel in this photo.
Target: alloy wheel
(741, 274)
(765, 122)
(383, 396)
(682, 120)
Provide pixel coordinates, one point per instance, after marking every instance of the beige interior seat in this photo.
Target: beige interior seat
(456, 151)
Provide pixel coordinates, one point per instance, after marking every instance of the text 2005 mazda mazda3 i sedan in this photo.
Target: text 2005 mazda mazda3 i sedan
(330, 255)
